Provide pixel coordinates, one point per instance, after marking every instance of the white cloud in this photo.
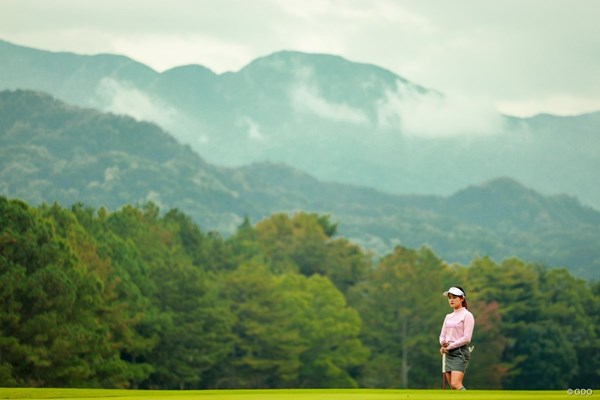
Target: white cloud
(252, 128)
(434, 115)
(559, 104)
(112, 174)
(121, 98)
(307, 99)
(156, 198)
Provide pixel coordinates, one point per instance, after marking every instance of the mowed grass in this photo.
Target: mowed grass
(293, 394)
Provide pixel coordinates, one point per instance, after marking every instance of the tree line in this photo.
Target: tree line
(139, 298)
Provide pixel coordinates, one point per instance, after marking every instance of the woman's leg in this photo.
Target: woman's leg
(456, 379)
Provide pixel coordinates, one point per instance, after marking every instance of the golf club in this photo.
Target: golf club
(443, 371)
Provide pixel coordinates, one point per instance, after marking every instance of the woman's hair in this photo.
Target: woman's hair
(463, 297)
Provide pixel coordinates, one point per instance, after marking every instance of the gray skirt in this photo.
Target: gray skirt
(457, 359)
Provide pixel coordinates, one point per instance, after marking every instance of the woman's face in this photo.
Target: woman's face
(455, 301)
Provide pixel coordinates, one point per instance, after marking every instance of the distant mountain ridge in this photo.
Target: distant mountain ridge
(520, 206)
(51, 151)
(338, 120)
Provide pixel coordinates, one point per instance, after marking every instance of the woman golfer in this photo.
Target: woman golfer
(455, 337)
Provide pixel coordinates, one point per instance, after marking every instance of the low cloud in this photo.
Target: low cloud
(430, 114)
(112, 174)
(560, 104)
(156, 198)
(305, 98)
(252, 128)
(122, 98)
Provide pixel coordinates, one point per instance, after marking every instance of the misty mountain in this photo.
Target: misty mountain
(338, 120)
(51, 151)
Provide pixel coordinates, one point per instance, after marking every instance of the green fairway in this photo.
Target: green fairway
(295, 394)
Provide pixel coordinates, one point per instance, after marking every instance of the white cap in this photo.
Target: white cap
(455, 291)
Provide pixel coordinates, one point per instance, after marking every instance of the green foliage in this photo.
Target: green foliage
(266, 346)
(137, 298)
(402, 309)
(195, 336)
(543, 322)
(52, 333)
(303, 243)
(328, 328)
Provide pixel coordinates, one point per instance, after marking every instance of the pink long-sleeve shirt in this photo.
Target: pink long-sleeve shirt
(457, 329)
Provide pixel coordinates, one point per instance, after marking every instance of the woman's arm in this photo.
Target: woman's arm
(443, 341)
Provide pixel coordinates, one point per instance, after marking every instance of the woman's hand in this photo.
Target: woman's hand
(444, 348)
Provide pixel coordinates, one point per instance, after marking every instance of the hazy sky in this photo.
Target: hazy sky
(523, 56)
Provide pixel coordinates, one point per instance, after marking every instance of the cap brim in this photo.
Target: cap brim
(455, 291)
